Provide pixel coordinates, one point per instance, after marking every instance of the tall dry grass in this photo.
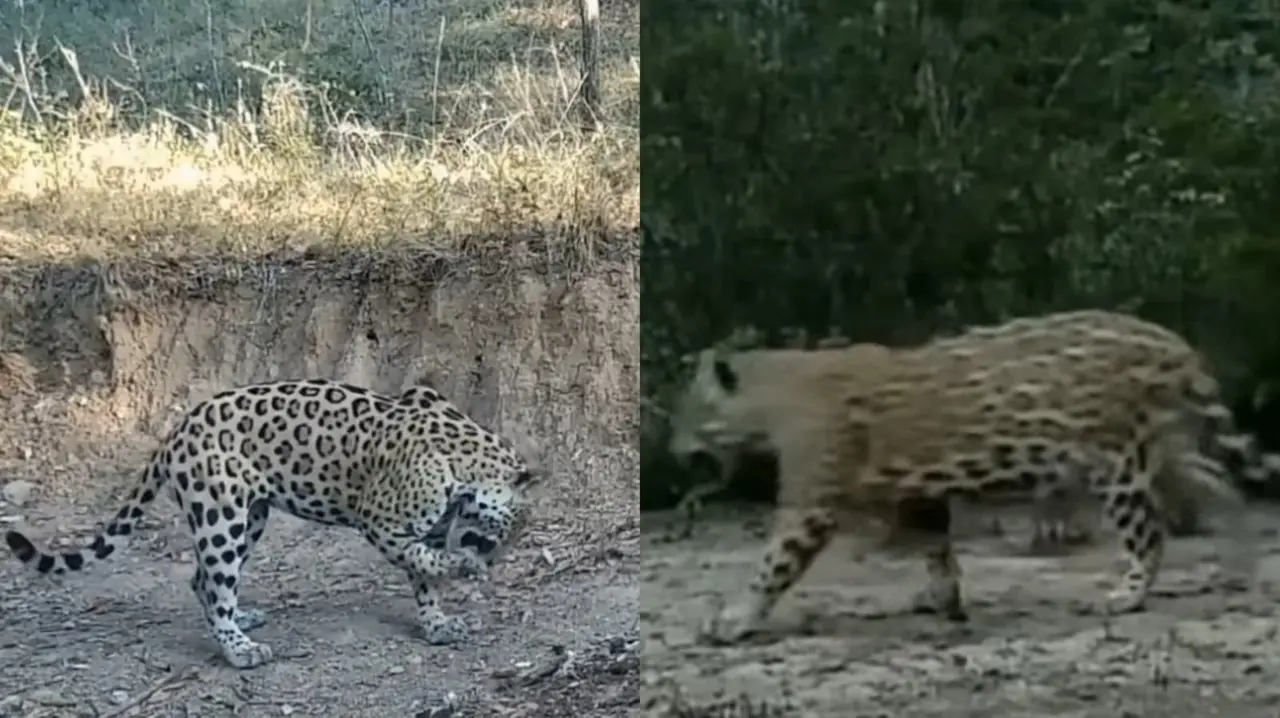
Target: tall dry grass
(166, 128)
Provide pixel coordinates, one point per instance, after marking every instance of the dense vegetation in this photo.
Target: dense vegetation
(903, 169)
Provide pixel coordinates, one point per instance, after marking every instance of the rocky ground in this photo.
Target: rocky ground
(843, 645)
(555, 629)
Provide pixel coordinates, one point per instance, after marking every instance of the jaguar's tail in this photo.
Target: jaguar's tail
(115, 536)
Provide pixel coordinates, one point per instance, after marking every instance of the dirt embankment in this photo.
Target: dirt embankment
(96, 362)
(125, 349)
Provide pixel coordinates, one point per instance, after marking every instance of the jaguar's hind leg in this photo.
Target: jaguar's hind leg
(222, 547)
(799, 535)
(247, 619)
(928, 522)
(250, 618)
(1047, 538)
(1060, 497)
(1134, 514)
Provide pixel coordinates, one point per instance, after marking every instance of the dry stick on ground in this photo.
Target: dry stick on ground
(164, 683)
(590, 11)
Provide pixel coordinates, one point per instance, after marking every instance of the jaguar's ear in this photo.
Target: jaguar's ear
(725, 375)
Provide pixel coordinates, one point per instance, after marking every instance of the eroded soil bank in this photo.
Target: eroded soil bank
(97, 361)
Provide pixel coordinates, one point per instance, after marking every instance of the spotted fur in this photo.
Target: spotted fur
(1055, 511)
(899, 432)
(431, 489)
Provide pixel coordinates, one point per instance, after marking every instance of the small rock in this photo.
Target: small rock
(120, 697)
(286, 710)
(18, 493)
(395, 670)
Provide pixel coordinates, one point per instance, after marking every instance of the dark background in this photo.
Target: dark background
(896, 174)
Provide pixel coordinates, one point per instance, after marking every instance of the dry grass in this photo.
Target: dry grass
(163, 128)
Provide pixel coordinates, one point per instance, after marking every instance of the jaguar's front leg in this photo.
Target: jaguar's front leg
(799, 535)
(427, 564)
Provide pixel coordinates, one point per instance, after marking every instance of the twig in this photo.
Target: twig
(163, 684)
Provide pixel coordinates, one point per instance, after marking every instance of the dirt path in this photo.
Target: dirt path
(841, 645)
(125, 638)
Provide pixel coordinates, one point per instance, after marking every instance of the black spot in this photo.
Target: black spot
(1125, 477)
(1037, 453)
(481, 543)
(74, 560)
(228, 557)
(1002, 455)
(100, 548)
(1150, 540)
(20, 545)
(1140, 457)
(725, 375)
(46, 563)
(360, 407)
